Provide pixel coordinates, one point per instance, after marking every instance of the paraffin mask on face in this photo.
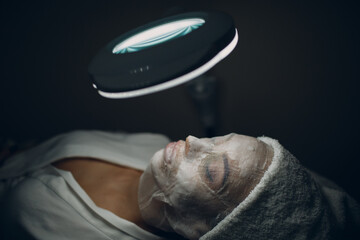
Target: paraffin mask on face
(191, 185)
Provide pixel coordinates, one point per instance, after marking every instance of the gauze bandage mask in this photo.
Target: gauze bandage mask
(192, 185)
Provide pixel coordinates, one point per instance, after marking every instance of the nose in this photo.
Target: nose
(194, 145)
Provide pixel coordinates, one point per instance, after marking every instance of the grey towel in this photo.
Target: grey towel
(289, 203)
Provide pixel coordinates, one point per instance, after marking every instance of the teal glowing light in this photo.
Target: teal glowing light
(157, 35)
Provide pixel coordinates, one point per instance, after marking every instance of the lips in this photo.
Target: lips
(169, 151)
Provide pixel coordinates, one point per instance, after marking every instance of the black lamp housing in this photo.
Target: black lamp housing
(162, 54)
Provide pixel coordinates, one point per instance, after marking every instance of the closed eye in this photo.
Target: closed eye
(226, 168)
(215, 171)
(210, 174)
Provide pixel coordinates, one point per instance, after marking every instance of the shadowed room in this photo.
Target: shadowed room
(293, 76)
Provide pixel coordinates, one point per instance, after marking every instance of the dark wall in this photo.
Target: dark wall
(293, 76)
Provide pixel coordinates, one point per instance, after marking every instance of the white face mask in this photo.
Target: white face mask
(191, 185)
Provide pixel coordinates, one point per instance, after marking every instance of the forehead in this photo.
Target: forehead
(236, 146)
(234, 139)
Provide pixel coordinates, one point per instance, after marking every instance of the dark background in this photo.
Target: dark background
(293, 76)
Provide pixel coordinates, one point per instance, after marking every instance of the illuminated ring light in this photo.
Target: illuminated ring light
(157, 35)
(162, 54)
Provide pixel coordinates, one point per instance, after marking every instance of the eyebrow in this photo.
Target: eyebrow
(226, 168)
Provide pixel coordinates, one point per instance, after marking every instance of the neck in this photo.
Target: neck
(126, 185)
(131, 212)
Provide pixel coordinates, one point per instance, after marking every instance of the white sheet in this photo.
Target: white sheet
(48, 203)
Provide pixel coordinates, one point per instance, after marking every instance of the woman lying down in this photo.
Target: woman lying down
(101, 185)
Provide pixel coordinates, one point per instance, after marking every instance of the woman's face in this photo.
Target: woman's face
(191, 185)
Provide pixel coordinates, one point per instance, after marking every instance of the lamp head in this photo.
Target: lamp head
(162, 54)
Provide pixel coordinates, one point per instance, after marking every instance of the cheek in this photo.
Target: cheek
(189, 194)
(186, 179)
(185, 186)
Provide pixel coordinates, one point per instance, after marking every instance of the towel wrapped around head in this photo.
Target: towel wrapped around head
(286, 204)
